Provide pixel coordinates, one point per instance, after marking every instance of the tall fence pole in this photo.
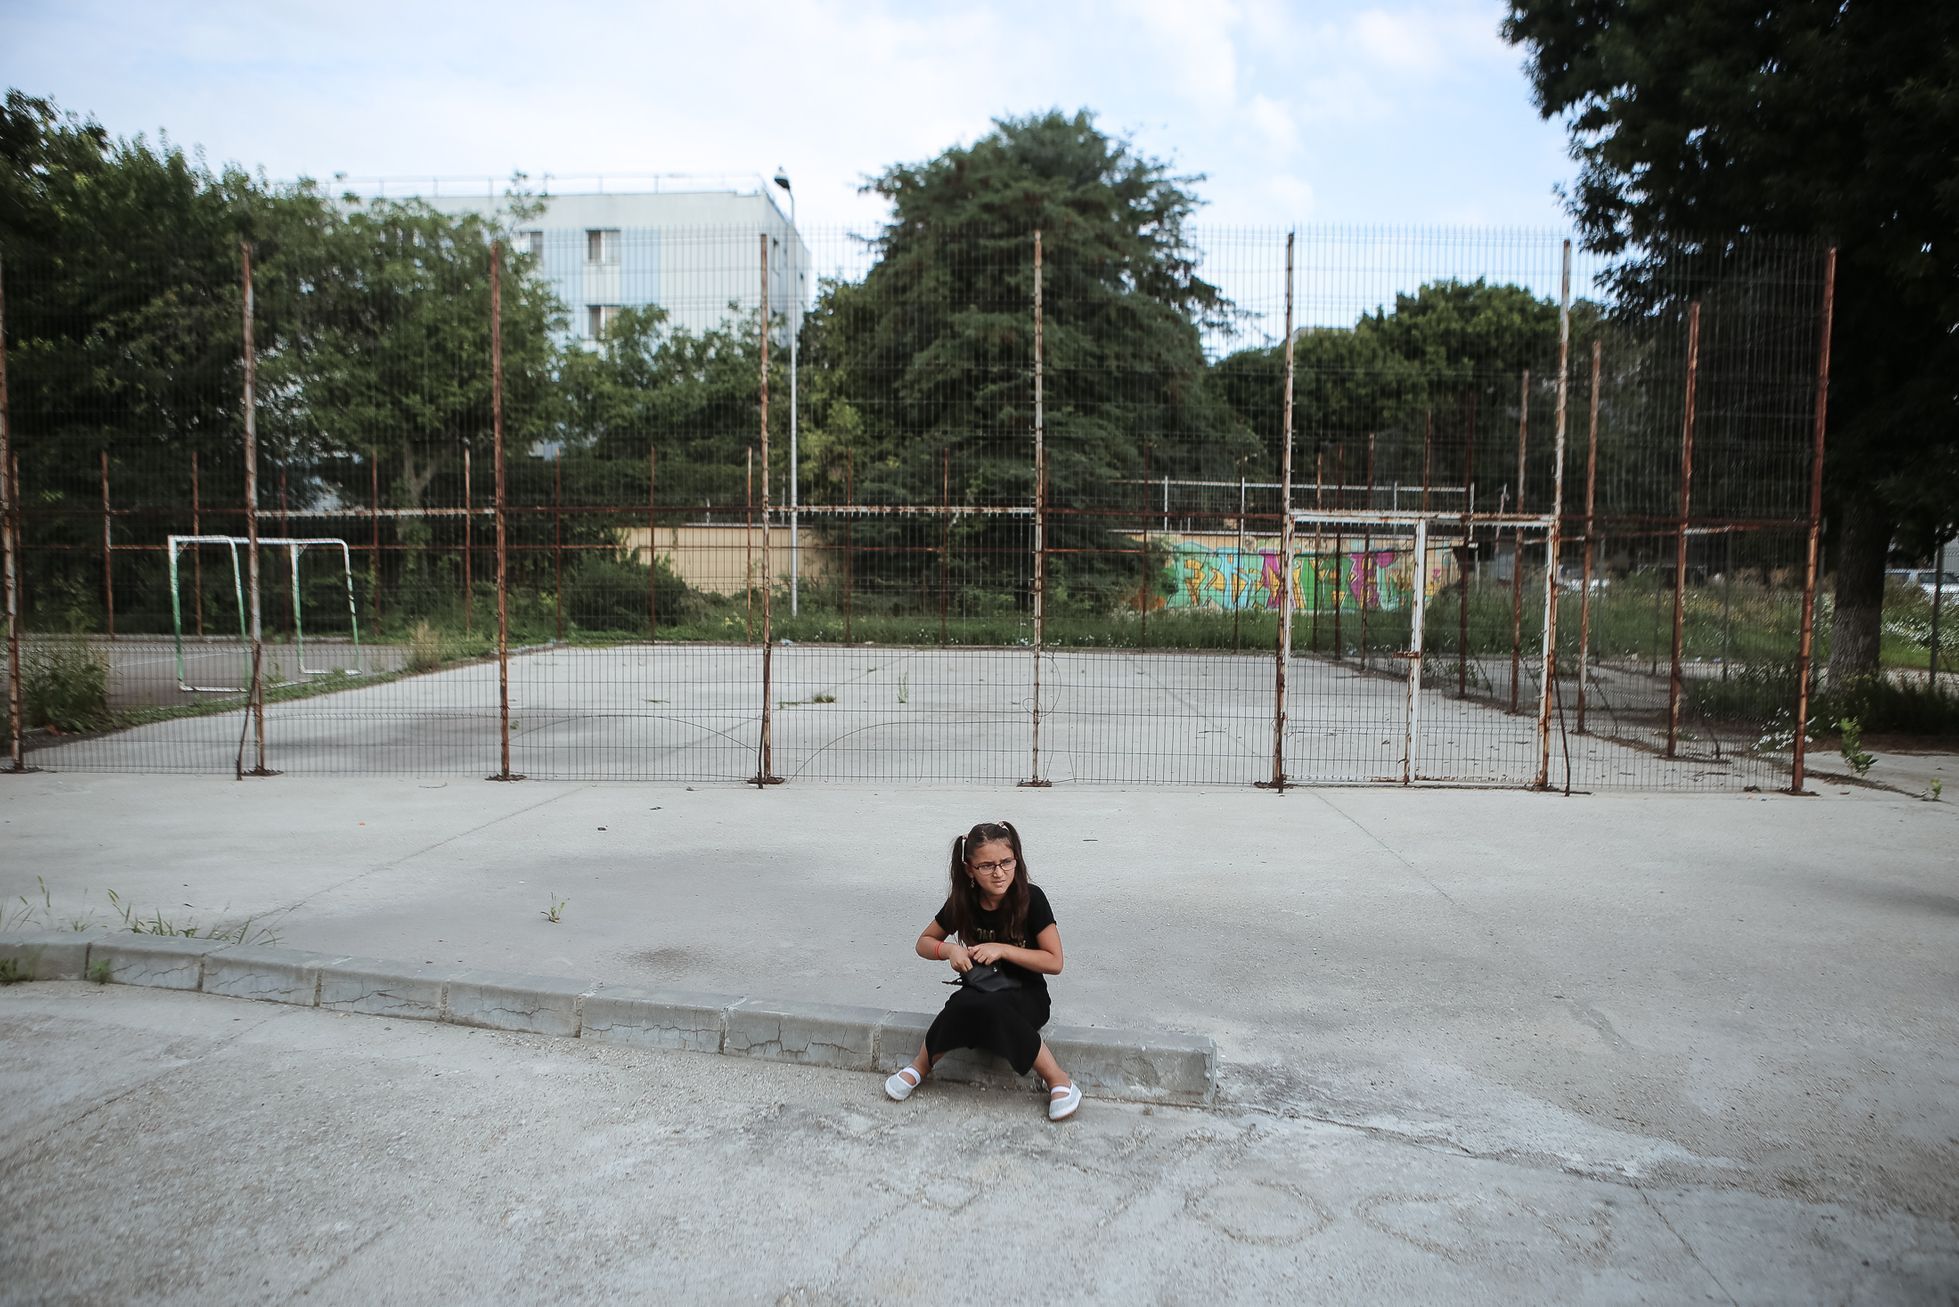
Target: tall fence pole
(1464, 551)
(1591, 506)
(1341, 564)
(1517, 546)
(196, 554)
(1040, 525)
(108, 551)
(764, 758)
(1806, 643)
(374, 526)
(469, 539)
(945, 535)
(558, 546)
(849, 534)
(1319, 540)
(1411, 729)
(503, 516)
(255, 700)
(1284, 653)
(748, 550)
(653, 545)
(1680, 528)
(1557, 527)
(1367, 555)
(9, 529)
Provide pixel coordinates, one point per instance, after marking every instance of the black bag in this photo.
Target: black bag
(985, 979)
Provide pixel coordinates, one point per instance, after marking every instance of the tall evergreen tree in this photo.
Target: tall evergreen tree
(933, 350)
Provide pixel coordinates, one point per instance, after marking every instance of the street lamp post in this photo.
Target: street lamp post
(795, 336)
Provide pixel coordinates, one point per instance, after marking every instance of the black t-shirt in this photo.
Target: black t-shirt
(991, 927)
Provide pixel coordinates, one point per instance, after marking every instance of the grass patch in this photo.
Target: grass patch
(122, 915)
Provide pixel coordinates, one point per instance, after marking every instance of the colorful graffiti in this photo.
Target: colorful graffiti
(1224, 577)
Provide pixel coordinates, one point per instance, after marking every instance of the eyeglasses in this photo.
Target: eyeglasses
(1004, 864)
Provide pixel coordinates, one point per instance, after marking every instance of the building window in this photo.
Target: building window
(601, 245)
(599, 318)
(533, 243)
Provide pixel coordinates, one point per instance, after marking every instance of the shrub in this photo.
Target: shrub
(604, 594)
(65, 686)
(424, 648)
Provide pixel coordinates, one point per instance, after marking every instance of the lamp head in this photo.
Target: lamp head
(781, 178)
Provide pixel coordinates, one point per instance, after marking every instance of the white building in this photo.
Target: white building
(691, 246)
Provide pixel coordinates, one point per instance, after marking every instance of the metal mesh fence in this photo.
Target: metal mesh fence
(993, 505)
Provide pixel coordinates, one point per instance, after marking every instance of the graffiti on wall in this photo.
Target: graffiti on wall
(1223, 577)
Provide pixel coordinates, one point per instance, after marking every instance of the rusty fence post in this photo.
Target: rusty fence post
(945, 537)
(558, 546)
(1680, 529)
(1283, 654)
(748, 552)
(1341, 565)
(1040, 529)
(1367, 555)
(764, 758)
(1517, 546)
(469, 513)
(9, 548)
(1550, 634)
(197, 553)
(108, 552)
(1465, 553)
(1319, 540)
(374, 541)
(255, 700)
(503, 516)
(653, 545)
(1805, 646)
(849, 535)
(1591, 506)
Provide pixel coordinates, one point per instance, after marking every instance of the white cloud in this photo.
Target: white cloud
(1194, 39)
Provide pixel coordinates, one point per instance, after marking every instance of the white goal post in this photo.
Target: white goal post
(294, 546)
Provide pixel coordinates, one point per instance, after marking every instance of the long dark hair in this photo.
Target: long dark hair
(965, 896)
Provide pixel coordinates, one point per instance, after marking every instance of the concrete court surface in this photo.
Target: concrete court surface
(165, 1147)
(859, 713)
(1751, 1002)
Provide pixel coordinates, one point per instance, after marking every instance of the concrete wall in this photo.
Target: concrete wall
(721, 559)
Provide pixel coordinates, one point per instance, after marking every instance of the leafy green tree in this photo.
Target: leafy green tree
(1819, 119)
(932, 353)
(122, 265)
(378, 355)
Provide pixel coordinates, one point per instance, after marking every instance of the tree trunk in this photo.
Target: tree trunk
(1858, 619)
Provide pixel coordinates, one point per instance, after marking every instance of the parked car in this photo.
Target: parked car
(1927, 580)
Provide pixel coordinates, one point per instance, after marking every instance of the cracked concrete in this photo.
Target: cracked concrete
(439, 1163)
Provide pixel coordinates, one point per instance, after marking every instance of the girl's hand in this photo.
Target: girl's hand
(961, 960)
(988, 953)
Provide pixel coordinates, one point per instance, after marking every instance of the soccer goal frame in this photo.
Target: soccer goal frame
(294, 546)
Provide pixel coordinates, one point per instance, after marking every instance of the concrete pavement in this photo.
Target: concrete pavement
(1745, 1001)
(167, 1147)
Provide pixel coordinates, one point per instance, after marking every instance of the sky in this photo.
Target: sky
(1312, 112)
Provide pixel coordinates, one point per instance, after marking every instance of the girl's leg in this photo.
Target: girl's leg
(924, 1061)
(1050, 1070)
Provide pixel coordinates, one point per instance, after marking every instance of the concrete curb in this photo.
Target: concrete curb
(1141, 1067)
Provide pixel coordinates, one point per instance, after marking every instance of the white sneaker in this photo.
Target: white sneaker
(899, 1086)
(1062, 1101)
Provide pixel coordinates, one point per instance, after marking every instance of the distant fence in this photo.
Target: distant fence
(1404, 509)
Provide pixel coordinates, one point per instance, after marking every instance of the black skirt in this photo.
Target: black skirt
(1007, 1022)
